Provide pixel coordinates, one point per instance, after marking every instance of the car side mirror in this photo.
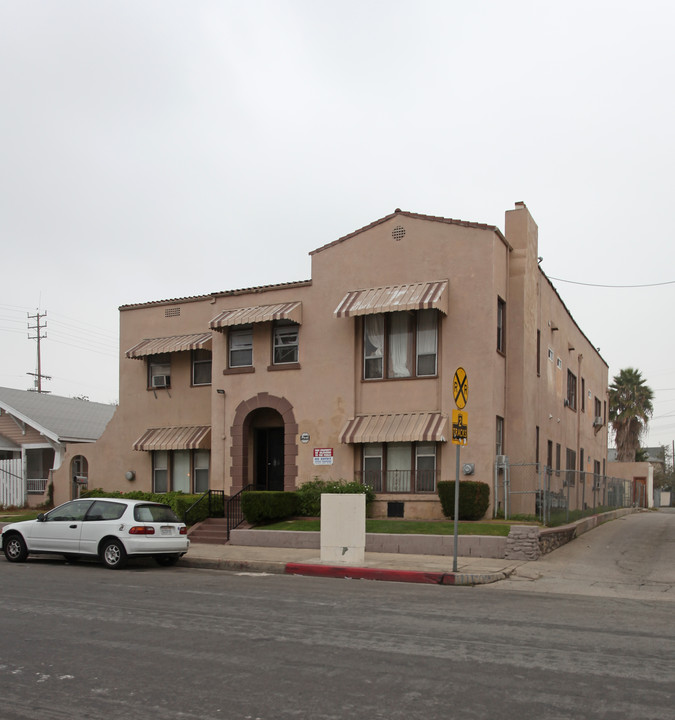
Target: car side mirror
(40, 517)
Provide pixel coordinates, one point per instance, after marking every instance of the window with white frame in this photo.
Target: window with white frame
(180, 470)
(201, 367)
(240, 342)
(202, 460)
(400, 345)
(400, 467)
(285, 343)
(160, 471)
(159, 371)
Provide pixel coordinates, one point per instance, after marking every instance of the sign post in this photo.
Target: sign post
(460, 434)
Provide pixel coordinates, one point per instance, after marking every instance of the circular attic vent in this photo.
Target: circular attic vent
(398, 232)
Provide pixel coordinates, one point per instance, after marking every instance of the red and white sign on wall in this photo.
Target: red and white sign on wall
(323, 456)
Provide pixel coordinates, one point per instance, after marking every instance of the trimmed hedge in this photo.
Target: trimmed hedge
(265, 506)
(474, 499)
(179, 502)
(309, 494)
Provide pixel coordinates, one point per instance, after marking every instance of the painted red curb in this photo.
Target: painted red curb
(359, 573)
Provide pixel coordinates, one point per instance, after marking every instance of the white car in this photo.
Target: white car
(111, 529)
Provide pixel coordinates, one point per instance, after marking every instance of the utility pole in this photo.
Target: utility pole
(38, 336)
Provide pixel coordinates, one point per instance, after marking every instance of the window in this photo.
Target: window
(425, 467)
(538, 352)
(71, 511)
(557, 459)
(202, 460)
(501, 325)
(571, 468)
(159, 371)
(598, 408)
(285, 343)
(582, 470)
(536, 445)
(105, 510)
(549, 454)
(550, 354)
(180, 470)
(499, 445)
(403, 343)
(241, 347)
(160, 471)
(427, 342)
(372, 466)
(583, 395)
(571, 390)
(400, 467)
(201, 367)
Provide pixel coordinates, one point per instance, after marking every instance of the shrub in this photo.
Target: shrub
(474, 498)
(309, 494)
(179, 502)
(265, 506)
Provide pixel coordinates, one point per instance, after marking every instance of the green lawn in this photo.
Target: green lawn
(403, 527)
(8, 516)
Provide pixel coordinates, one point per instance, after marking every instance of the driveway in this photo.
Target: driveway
(631, 557)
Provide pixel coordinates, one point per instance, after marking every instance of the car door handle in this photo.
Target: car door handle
(73, 527)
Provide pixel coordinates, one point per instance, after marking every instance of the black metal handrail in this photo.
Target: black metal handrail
(216, 502)
(233, 512)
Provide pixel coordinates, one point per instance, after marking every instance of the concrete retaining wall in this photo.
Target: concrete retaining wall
(468, 545)
(525, 542)
(528, 542)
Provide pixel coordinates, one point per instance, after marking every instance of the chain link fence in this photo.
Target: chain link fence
(555, 497)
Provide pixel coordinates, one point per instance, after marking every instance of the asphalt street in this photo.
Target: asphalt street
(80, 641)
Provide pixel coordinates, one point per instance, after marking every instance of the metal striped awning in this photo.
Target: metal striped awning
(395, 427)
(177, 343)
(393, 298)
(195, 437)
(257, 314)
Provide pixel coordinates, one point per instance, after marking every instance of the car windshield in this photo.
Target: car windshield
(155, 513)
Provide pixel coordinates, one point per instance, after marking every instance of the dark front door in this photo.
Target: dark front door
(270, 458)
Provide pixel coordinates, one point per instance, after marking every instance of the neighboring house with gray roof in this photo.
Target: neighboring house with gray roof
(35, 430)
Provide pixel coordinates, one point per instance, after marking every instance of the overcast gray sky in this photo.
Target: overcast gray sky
(153, 150)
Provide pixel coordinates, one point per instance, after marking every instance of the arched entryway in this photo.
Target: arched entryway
(264, 450)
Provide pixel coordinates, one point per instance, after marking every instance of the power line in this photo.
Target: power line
(599, 285)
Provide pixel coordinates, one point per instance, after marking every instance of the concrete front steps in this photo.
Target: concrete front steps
(212, 531)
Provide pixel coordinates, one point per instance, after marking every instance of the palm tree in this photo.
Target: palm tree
(630, 407)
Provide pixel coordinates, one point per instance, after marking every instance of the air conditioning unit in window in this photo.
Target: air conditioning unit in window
(160, 381)
(597, 422)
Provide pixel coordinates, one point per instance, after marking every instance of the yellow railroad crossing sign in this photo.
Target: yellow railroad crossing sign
(460, 388)
(460, 427)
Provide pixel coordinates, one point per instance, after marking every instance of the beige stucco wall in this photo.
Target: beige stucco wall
(327, 389)
(633, 470)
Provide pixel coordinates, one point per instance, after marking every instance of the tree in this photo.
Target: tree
(630, 407)
(663, 474)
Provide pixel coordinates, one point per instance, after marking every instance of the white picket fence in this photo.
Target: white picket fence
(12, 486)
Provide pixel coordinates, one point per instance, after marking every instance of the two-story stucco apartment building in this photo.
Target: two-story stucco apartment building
(350, 374)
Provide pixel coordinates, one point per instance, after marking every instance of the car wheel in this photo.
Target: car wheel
(15, 548)
(166, 560)
(114, 555)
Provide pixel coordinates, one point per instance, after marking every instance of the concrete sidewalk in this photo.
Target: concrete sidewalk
(396, 567)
